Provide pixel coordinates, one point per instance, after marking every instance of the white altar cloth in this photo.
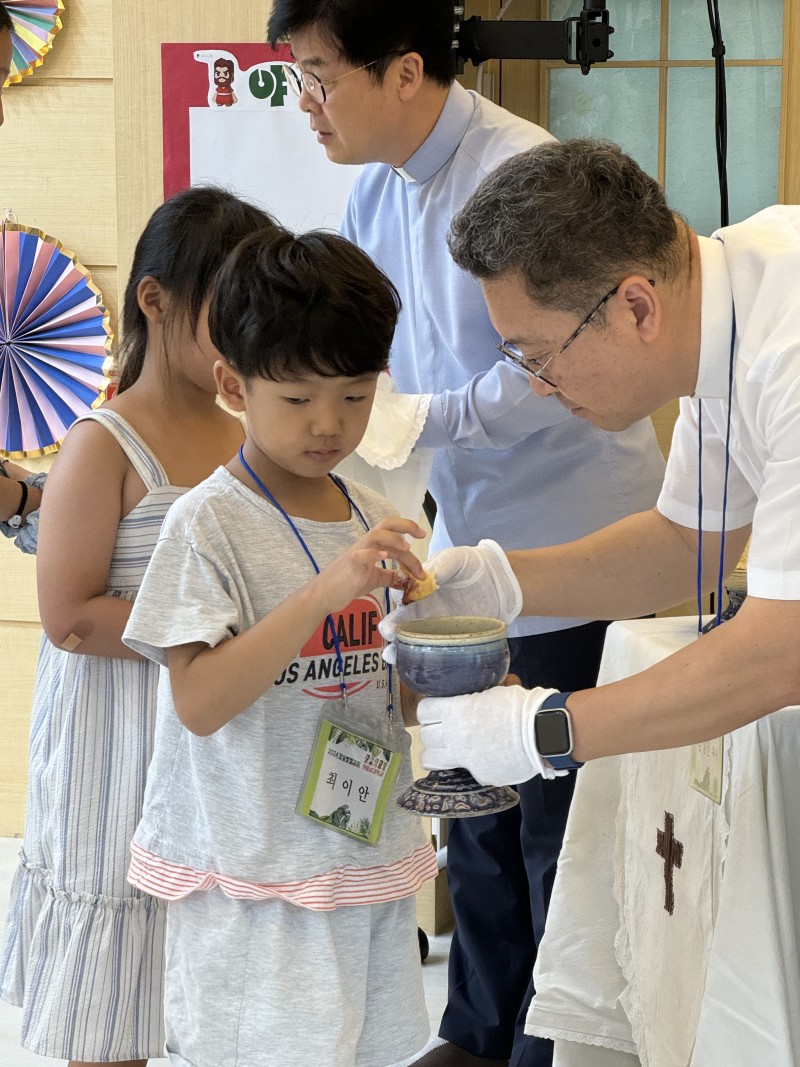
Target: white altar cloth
(716, 983)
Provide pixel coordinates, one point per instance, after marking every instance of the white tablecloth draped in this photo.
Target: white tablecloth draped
(716, 983)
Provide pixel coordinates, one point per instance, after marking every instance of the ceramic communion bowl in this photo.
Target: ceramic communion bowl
(449, 656)
(452, 654)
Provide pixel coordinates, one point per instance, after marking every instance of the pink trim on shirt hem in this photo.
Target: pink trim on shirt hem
(342, 887)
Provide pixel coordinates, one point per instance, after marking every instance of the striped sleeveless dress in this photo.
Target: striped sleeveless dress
(83, 952)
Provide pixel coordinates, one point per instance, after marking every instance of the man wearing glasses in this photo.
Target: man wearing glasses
(376, 79)
(536, 367)
(713, 322)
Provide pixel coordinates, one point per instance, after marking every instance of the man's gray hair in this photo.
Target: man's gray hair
(573, 218)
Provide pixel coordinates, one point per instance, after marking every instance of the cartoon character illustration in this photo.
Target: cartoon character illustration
(224, 96)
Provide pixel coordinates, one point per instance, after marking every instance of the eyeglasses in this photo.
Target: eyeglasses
(537, 370)
(315, 87)
(538, 367)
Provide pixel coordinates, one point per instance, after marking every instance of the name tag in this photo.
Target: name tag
(349, 782)
(705, 774)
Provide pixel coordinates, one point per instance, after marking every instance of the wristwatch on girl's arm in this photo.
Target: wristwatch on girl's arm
(22, 527)
(14, 520)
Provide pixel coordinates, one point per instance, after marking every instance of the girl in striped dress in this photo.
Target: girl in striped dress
(83, 952)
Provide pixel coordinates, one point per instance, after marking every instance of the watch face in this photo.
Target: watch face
(15, 522)
(551, 730)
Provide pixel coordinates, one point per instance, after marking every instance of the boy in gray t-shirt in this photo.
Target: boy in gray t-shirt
(269, 820)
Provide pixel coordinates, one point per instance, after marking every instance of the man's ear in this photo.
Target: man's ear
(230, 385)
(642, 300)
(152, 298)
(410, 75)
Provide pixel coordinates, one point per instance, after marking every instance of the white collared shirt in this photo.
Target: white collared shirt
(755, 268)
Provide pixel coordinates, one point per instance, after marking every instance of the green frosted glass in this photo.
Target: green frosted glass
(637, 26)
(618, 104)
(751, 29)
(754, 118)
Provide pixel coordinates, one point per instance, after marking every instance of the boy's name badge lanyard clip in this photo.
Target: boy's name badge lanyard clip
(335, 637)
(706, 765)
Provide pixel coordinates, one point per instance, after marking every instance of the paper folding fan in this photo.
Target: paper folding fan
(36, 23)
(54, 341)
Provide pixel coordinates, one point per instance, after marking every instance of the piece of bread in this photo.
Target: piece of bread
(415, 589)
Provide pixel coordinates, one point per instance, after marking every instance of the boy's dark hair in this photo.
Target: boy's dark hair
(182, 246)
(6, 22)
(367, 30)
(288, 305)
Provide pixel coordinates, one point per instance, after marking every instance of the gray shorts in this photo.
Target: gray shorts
(263, 983)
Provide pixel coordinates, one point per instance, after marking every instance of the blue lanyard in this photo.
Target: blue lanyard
(720, 574)
(337, 647)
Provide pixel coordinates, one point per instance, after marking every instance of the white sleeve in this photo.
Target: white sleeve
(679, 497)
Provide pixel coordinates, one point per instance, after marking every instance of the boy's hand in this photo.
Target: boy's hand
(359, 569)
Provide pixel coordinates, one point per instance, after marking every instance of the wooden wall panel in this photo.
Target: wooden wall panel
(83, 48)
(18, 602)
(520, 80)
(490, 73)
(18, 646)
(664, 422)
(106, 280)
(20, 632)
(64, 133)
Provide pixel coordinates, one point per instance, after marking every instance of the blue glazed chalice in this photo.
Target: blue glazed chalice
(448, 656)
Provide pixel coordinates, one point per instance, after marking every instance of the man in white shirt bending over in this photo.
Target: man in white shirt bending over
(714, 321)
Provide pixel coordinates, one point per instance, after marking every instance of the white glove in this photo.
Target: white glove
(472, 581)
(489, 733)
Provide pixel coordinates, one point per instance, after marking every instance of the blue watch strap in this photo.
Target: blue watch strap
(566, 762)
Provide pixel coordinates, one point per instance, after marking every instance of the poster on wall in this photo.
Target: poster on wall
(230, 119)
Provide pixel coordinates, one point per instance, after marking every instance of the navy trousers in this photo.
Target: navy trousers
(500, 870)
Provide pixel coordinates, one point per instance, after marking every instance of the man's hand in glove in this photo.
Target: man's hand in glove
(471, 581)
(489, 733)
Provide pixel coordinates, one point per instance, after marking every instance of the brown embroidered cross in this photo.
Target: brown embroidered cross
(671, 851)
